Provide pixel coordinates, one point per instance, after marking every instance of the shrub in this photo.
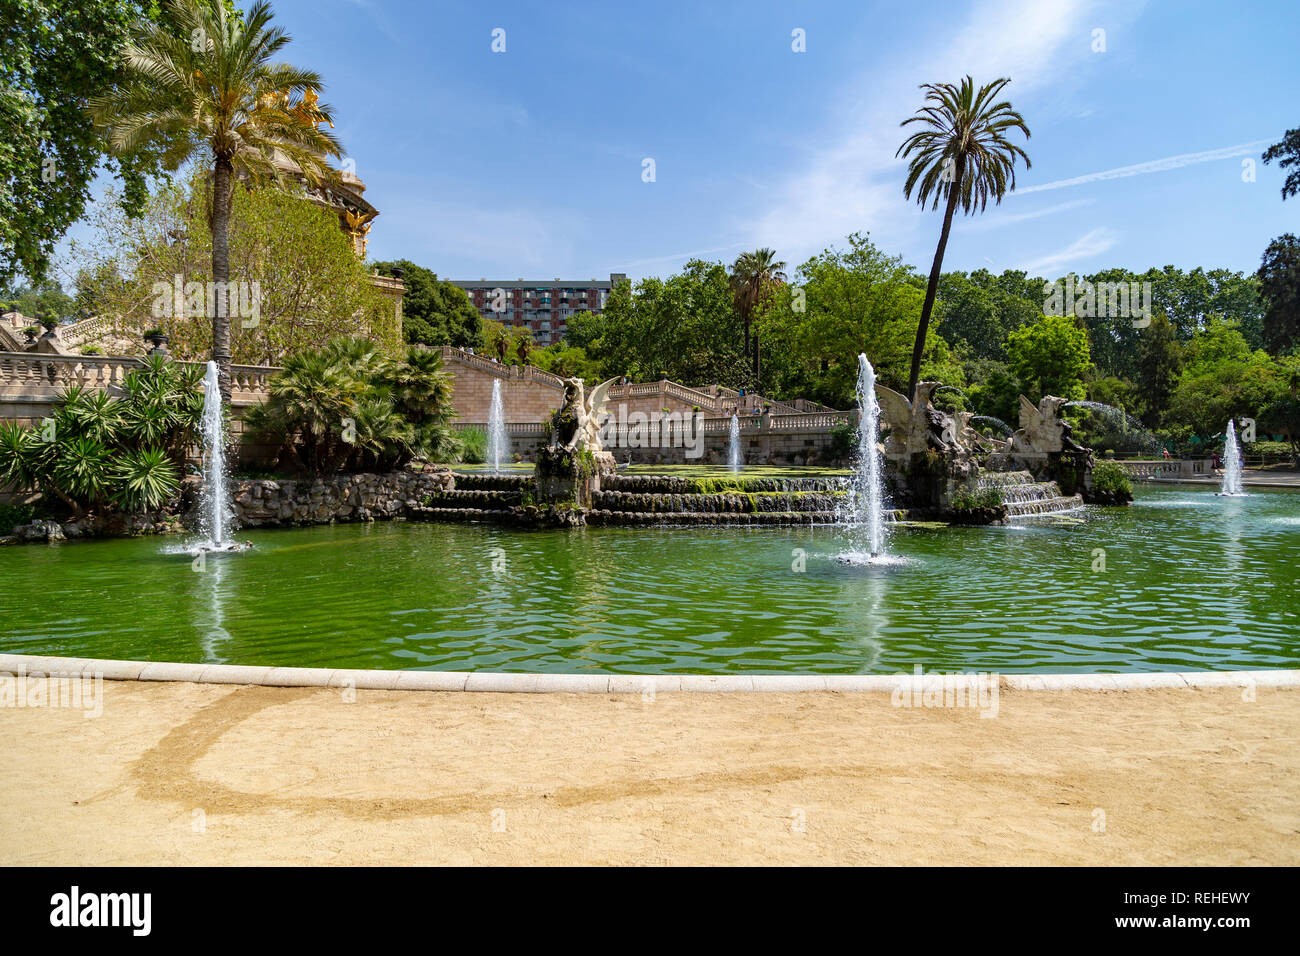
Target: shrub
(1110, 476)
(963, 499)
(473, 445)
(99, 451)
(12, 515)
(843, 440)
(349, 407)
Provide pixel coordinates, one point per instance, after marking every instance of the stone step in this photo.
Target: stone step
(1022, 509)
(730, 503)
(673, 485)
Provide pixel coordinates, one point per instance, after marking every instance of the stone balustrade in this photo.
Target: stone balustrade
(1155, 470)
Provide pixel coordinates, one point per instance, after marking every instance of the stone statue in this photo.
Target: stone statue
(1042, 430)
(915, 428)
(577, 424)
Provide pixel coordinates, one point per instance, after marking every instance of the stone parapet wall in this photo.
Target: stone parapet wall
(366, 497)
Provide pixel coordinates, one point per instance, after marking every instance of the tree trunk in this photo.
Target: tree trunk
(757, 367)
(222, 180)
(933, 287)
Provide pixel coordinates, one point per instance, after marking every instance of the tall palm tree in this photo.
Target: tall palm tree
(208, 86)
(961, 155)
(751, 274)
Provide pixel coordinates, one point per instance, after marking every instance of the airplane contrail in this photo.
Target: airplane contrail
(1155, 166)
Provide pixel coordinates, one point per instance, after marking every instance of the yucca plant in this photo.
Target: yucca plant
(383, 439)
(144, 480)
(81, 468)
(107, 451)
(21, 453)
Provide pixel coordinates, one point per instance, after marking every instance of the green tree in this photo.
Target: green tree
(44, 300)
(962, 156)
(1279, 277)
(57, 56)
(1287, 153)
(684, 328)
(981, 311)
(211, 87)
(434, 311)
(845, 301)
(1222, 378)
(310, 286)
(997, 393)
(1159, 363)
(1050, 357)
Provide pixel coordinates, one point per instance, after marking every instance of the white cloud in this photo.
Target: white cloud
(1093, 243)
(1000, 219)
(1154, 166)
(856, 183)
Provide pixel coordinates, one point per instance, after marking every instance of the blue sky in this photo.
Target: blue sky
(528, 163)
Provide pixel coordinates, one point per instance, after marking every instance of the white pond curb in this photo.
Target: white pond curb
(39, 666)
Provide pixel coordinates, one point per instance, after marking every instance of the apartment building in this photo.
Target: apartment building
(542, 307)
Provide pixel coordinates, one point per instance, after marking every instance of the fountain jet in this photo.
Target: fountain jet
(496, 429)
(1231, 463)
(214, 505)
(735, 458)
(866, 497)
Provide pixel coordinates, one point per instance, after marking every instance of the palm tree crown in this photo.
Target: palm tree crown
(751, 274)
(961, 156)
(207, 84)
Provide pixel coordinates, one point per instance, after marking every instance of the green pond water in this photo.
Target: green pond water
(1191, 581)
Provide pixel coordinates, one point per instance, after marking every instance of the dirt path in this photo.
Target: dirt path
(176, 773)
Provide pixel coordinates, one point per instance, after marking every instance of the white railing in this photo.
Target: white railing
(1173, 468)
(485, 364)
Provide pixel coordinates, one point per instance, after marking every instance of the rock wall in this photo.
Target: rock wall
(267, 502)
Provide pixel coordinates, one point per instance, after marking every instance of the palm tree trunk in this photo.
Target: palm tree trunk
(757, 367)
(933, 287)
(221, 183)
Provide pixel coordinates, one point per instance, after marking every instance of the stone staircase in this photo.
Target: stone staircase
(1026, 497)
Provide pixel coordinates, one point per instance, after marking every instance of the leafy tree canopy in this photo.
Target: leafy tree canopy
(434, 311)
(310, 285)
(56, 57)
(1279, 277)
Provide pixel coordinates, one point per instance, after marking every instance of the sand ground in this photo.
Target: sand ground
(179, 773)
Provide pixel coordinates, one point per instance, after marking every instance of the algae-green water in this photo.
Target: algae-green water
(1181, 580)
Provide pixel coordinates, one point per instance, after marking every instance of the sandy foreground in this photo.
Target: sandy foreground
(181, 773)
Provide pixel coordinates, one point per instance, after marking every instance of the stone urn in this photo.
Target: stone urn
(158, 340)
